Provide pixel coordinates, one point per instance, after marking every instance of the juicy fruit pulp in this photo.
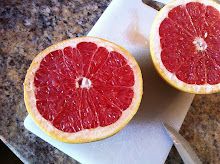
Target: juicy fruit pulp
(190, 43)
(83, 87)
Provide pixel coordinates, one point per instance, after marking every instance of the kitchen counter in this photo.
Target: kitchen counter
(28, 27)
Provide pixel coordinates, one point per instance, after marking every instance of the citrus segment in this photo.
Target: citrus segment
(185, 41)
(81, 86)
(108, 113)
(98, 61)
(197, 12)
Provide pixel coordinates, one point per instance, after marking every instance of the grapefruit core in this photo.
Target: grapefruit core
(185, 45)
(83, 89)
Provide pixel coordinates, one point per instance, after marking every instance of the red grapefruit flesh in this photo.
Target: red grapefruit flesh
(185, 45)
(85, 89)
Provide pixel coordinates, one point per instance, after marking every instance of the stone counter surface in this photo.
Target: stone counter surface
(26, 28)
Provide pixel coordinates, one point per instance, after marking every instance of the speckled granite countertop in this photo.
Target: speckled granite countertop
(25, 31)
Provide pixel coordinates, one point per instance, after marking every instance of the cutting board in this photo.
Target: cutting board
(143, 140)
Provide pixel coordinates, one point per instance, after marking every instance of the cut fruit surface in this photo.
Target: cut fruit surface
(83, 89)
(185, 45)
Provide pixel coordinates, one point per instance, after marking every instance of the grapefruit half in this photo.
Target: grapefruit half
(185, 45)
(83, 89)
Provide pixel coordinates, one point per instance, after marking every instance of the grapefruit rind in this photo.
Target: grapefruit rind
(155, 51)
(86, 135)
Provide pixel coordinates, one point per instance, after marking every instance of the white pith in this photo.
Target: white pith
(85, 83)
(200, 44)
(85, 135)
(156, 49)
